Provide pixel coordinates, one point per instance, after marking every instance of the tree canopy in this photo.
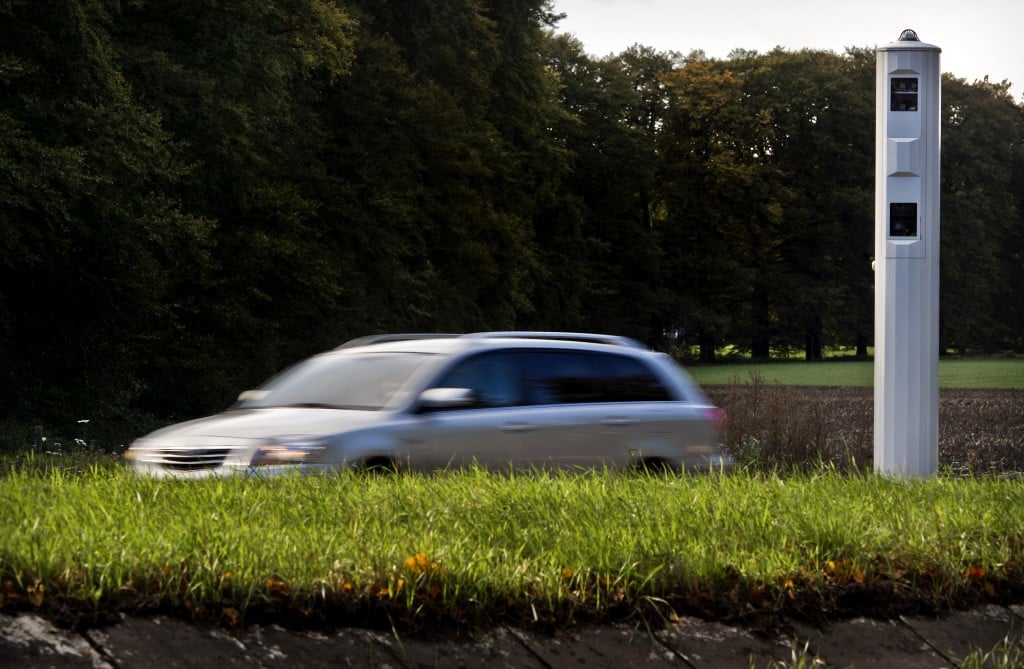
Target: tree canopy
(194, 195)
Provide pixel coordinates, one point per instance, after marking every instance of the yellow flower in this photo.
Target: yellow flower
(420, 564)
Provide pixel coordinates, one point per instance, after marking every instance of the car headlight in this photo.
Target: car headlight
(284, 452)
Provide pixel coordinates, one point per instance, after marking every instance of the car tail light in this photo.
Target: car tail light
(716, 416)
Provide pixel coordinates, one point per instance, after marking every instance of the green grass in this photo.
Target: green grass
(982, 373)
(992, 373)
(1007, 655)
(83, 534)
(468, 546)
(846, 373)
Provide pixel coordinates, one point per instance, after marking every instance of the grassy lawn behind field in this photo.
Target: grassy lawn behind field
(990, 373)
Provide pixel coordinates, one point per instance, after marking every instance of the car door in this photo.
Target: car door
(495, 431)
(604, 408)
(644, 420)
(568, 392)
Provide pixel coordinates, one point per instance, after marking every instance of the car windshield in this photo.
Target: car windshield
(366, 382)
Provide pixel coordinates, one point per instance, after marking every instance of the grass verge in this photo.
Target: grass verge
(989, 373)
(465, 548)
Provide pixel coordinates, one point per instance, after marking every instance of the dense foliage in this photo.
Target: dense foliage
(195, 194)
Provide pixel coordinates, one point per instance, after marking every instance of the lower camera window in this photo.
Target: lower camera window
(903, 219)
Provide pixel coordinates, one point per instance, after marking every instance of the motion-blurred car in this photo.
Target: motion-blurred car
(430, 401)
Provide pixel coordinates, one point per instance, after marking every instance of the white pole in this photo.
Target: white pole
(907, 144)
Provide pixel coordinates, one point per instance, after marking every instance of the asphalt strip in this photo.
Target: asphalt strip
(28, 641)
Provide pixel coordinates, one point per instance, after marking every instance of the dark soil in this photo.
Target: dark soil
(980, 431)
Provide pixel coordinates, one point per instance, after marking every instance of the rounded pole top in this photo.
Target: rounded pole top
(909, 41)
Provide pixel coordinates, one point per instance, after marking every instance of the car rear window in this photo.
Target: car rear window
(572, 377)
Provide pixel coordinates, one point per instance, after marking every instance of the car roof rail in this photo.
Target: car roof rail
(384, 338)
(585, 337)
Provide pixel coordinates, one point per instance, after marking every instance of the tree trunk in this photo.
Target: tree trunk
(707, 347)
(812, 340)
(862, 346)
(760, 341)
(760, 346)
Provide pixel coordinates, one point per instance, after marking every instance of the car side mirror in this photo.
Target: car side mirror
(434, 399)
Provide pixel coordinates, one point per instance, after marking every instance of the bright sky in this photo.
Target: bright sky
(977, 37)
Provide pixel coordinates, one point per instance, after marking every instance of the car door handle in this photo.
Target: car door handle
(618, 422)
(518, 427)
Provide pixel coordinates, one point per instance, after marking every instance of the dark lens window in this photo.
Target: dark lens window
(903, 94)
(903, 219)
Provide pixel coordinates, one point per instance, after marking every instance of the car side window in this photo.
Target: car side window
(562, 377)
(493, 377)
(574, 377)
(630, 380)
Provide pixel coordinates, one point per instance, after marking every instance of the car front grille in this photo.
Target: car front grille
(187, 459)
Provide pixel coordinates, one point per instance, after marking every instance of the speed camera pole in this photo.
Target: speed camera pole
(907, 257)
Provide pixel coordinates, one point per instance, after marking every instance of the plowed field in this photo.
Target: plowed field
(979, 430)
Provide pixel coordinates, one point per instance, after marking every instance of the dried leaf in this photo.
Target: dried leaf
(35, 594)
(232, 616)
(278, 587)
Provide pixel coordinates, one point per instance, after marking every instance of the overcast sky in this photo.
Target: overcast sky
(977, 37)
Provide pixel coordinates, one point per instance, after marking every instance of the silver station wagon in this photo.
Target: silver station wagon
(431, 401)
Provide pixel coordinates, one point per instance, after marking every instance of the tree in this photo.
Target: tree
(767, 180)
(822, 145)
(238, 86)
(465, 107)
(982, 216)
(720, 198)
(610, 135)
(96, 241)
